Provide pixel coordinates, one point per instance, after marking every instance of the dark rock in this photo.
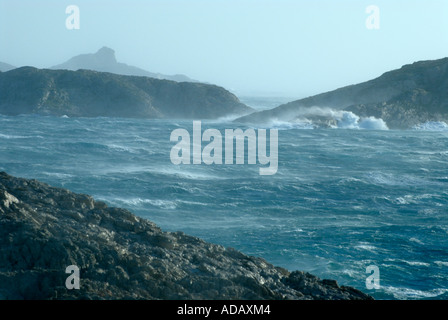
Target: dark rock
(121, 256)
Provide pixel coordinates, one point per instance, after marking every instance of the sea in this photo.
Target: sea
(344, 199)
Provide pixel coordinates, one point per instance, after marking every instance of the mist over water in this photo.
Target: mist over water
(342, 199)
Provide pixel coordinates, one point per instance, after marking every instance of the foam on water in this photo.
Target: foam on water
(136, 202)
(296, 124)
(349, 120)
(11, 136)
(432, 126)
(407, 293)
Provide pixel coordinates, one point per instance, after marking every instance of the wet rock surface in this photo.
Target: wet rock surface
(43, 230)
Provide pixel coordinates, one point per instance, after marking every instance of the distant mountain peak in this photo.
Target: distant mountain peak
(104, 60)
(106, 54)
(5, 67)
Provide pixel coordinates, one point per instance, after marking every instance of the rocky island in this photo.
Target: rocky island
(403, 98)
(44, 229)
(87, 93)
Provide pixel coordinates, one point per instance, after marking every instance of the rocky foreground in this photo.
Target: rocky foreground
(121, 256)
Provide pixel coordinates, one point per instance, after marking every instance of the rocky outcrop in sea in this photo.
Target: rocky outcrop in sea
(414, 94)
(44, 229)
(86, 93)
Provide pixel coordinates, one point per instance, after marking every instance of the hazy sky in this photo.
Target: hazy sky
(292, 48)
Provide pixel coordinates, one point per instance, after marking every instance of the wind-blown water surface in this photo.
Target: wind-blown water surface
(343, 199)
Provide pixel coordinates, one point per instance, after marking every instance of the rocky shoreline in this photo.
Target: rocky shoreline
(44, 229)
(414, 94)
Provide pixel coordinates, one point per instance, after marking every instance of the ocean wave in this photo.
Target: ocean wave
(159, 203)
(182, 173)
(349, 120)
(408, 293)
(121, 148)
(432, 126)
(380, 178)
(58, 175)
(137, 202)
(318, 117)
(410, 263)
(366, 246)
(441, 263)
(304, 124)
(11, 136)
(416, 241)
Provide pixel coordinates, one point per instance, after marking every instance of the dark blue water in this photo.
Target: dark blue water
(342, 199)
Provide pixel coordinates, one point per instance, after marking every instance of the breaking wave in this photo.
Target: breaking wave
(317, 117)
(349, 120)
(432, 126)
(407, 293)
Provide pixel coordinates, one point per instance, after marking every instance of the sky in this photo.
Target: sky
(288, 48)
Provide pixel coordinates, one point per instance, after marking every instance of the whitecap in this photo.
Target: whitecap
(416, 263)
(316, 117)
(367, 247)
(58, 175)
(184, 174)
(7, 136)
(349, 272)
(349, 120)
(408, 293)
(395, 180)
(193, 203)
(411, 263)
(416, 240)
(121, 148)
(304, 124)
(432, 126)
(372, 123)
(136, 202)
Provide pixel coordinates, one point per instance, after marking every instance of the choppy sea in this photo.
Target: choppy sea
(343, 199)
